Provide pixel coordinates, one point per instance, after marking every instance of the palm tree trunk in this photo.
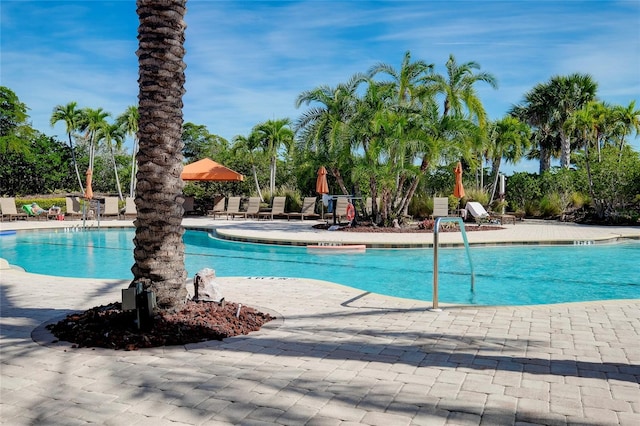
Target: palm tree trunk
(115, 171)
(255, 179)
(159, 248)
(75, 163)
(132, 184)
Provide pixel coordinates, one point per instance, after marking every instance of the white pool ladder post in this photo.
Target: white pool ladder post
(436, 229)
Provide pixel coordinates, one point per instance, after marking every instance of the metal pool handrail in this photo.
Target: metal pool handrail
(436, 229)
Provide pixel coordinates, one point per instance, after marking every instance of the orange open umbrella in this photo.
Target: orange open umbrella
(88, 192)
(322, 187)
(458, 189)
(207, 169)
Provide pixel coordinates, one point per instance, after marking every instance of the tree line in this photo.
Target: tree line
(391, 134)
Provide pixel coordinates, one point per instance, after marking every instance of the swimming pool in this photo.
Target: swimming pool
(515, 275)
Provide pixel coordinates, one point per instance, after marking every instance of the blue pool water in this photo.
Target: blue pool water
(516, 275)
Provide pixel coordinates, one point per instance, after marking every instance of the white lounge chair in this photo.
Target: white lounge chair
(477, 211)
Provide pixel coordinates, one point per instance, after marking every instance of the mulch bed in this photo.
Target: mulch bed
(367, 227)
(109, 327)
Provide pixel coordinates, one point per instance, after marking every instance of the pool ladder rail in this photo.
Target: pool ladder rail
(436, 229)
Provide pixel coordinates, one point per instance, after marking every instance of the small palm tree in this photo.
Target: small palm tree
(272, 135)
(128, 121)
(91, 122)
(112, 137)
(247, 146)
(71, 116)
(508, 138)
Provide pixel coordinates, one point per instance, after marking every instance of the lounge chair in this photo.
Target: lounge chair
(277, 208)
(218, 207)
(110, 207)
(308, 209)
(35, 211)
(130, 209)
(477, 211)
(73, 207)
(9, 209)
(253, 208)
(440, 207)
(233, 207)
(340, 207)
(188, 205)
(368, 205)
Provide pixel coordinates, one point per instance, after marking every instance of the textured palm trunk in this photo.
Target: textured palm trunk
(159, 249)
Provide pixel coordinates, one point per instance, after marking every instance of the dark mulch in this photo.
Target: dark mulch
(109, 327)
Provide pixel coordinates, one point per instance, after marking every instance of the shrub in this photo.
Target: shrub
(551, 205)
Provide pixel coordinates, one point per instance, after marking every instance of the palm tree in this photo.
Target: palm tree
(71, 117)
(458, 89)
(128, 121)
(508, 138)
(324, 128)
(110, 135)
(629, 120)
(247, 146)
(535, 110)
(159, 248)
(569, 94)
(406, 80)
(272, 135)
(91, 122)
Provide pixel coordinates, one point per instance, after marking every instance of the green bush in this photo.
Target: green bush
(551, 205)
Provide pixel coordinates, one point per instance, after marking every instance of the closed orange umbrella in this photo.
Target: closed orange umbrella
(207, 169)
(322, 187)
(458, 189)
(88, 192)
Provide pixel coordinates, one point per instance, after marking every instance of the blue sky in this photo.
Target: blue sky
(248, 61)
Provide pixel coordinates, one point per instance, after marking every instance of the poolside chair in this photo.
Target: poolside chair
(340, 207)
(9, 209)
(253, 208)
(307, 210)
(233, 208)
(130, 209)
(188, 205)
(477, 211)
(218, 207)
(73, 207)
(110, 207)
(277, 208)
(440, 207)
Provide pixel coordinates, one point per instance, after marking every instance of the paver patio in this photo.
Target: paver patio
(335, 356)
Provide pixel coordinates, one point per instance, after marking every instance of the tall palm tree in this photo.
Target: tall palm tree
(159, 248)
(128, 121)
(112, 136)
(458, 89)
(272, 136)
(71, 116)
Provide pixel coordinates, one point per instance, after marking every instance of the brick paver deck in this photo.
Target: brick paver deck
(335, 356)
